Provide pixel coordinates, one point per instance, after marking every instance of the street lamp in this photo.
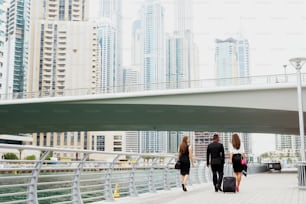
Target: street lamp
(298, 64)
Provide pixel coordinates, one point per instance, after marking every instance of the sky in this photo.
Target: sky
(276, 30)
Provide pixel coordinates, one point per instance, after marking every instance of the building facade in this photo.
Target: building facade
(153, 30)
(82, 140)
(61, 59)
(181, 51)
(109, 45)
(16, 46)
(232, 61)
(3, 10)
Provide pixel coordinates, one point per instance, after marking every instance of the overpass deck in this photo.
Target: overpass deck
(268, 188)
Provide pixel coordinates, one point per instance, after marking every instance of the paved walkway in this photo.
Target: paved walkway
(268, 188)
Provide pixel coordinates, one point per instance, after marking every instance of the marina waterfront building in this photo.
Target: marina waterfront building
(109, 45)
(60, 58)
(16, 46)
(232, 61)
(3, 77)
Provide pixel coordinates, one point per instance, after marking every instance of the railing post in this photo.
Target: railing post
(166, 177)
(151, 177)
(132, 182)
(76, 192)
(198, 173)
(32, 197)
(301, 175)
(108, 181)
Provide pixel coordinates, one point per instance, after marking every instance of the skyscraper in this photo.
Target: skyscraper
(181, 51)
(2, 45)
(130, 79)
(109, 44)
(148, 38)
(288, 142)
(16, 49)
(60, 58)
(153, 30)
(232, 60)
(183, 15)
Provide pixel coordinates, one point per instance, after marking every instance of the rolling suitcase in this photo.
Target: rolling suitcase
(229, 184)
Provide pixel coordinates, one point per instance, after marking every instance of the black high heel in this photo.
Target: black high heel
(184, 188)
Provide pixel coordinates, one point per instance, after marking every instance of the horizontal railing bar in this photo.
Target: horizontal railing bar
(53, 182)
(92, 186)
(14, 177)
(91, 192)
(13, 194)
(94, 198)
(55, 175)
(13, 202)
(17, 169)
(54, 197)
(14, 186)
(91, 179)
(54, 189)
(93, 174)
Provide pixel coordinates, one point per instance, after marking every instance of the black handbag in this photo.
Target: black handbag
(177, 165)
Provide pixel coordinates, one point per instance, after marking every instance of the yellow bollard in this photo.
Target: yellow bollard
(116, 192)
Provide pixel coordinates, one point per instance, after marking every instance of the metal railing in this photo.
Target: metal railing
(301, 167)
(203, 83)
(88, 181)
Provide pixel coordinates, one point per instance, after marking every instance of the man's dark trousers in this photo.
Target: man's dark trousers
(217, 168)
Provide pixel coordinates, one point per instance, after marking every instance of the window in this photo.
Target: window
(72, 139)
(93, 142)
(100, 143)
(52, 139)
(117, 137)
(65, 138)
(62, 10)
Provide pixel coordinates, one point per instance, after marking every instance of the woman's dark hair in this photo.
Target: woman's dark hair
(236, 141)
(183, 145)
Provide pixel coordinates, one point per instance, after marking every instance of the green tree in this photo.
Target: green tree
(30, 157)
(10, 156)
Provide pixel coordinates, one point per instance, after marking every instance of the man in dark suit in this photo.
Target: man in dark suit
(215, 158)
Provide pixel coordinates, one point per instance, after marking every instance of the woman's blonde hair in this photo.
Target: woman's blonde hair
(236, 141)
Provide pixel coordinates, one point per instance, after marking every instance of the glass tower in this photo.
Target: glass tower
(109, 40)
(17, 29)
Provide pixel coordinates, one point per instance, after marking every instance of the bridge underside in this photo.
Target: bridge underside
(65, 116)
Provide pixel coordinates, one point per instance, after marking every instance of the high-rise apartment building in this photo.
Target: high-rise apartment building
(150, 31)
(109, 45)
(288, 142)
(181, 51)
(132, 141)
(153, 35)
(130, 79)
(16, 46)
(232, 60)
(63, 47)
(181, 60)
(183, 15)
(2, 45)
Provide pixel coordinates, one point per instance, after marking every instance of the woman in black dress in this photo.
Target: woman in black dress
(185, 156)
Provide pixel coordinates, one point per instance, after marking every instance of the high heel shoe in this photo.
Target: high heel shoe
(184, 187)
(237, 188)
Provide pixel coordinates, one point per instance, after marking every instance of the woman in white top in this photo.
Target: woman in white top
(237, 153)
